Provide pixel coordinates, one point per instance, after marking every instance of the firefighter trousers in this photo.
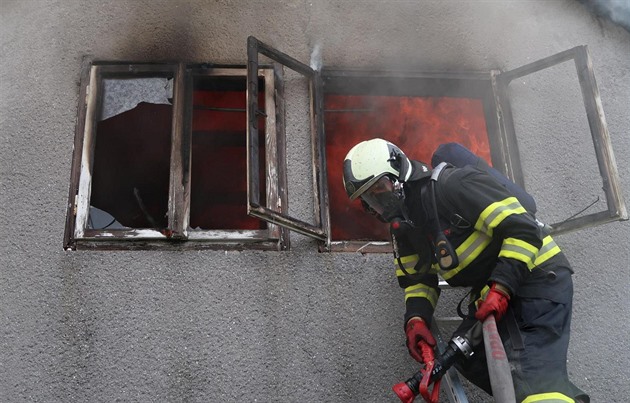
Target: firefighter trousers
(535, 334)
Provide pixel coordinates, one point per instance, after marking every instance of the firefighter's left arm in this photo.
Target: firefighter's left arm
(498, 214)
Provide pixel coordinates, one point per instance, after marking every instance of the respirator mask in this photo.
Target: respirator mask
(385, 199)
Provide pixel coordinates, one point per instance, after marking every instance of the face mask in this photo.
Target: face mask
(385, 199)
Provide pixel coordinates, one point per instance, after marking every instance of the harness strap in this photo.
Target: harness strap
(513, 330)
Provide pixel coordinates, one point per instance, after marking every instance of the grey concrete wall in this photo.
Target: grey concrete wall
(263, 326)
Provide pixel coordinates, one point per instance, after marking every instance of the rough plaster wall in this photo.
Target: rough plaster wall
(260, 326)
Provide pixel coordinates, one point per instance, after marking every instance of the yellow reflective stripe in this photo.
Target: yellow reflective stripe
(495, 213)
(520, 250)
(549, 249)
(409, 263)
(422, 291)
(408, 260)
(553, 397)
(482, 295)
(467, 252)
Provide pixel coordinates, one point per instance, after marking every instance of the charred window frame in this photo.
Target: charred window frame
(477, 86)
(504, 150)
(319, 229)
(176, 234)
(616, 208)
(270, 205)
(492, 88)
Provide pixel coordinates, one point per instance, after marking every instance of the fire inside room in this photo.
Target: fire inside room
(417, 124)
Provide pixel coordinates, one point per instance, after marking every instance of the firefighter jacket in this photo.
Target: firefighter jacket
(494, 237)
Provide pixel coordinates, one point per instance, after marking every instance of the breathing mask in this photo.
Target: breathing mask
(385, 199)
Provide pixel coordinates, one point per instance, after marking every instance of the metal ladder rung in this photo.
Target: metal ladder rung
(454, 388)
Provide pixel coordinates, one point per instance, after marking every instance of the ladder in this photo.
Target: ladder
(451, 384)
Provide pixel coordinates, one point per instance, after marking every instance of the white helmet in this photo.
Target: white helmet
(369, 161)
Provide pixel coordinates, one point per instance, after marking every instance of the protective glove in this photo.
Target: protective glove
(420, 341)
(495, 302)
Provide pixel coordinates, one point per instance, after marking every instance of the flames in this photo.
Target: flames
(418, 125)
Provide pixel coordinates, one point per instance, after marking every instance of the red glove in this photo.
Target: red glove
(420, 341)
(495, 302)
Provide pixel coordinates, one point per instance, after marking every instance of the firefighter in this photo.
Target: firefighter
(463, 225)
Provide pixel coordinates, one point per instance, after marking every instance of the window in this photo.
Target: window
(194, 156)
(603, 175)
(418, 111)
(160, 158)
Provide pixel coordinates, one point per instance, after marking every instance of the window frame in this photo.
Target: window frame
(505, 153)
(504, 150)
(320, 229)
(607, 165)
(178, 235)
(468, 84)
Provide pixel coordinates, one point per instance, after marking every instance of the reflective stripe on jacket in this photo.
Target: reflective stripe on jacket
(501, 241)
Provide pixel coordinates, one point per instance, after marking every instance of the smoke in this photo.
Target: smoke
(316, 57)
(618, 11)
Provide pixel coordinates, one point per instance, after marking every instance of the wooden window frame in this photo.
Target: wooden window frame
(611, 183)
(504, 148)
(178, 235)
(479, 85)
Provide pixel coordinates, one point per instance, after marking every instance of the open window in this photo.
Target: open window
(415, 111)
(166, 153)
(318, 229)
(574, 191)
(419, 111)
(160, 159)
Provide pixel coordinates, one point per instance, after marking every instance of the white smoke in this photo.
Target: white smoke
(617, 11)
(316, 57)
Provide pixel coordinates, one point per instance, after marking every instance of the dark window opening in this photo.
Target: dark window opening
(218, 161)
(131, 170)
(161, 158)
(130, 173)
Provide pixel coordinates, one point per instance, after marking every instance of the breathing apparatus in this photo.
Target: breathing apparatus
(376, 171)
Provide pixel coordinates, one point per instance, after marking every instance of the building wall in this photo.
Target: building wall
(265, 326)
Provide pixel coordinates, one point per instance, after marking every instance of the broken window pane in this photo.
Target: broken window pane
(130, 176)
(99, 219)
(123, 94)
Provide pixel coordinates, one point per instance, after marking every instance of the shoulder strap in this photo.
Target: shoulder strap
(438, 170)
(445, 207)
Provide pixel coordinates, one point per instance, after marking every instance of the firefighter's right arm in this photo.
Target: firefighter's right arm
(415, 276)
(419, 281)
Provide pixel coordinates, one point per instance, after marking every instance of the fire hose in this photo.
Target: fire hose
(431, 374)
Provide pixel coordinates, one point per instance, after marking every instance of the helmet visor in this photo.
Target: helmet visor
(380, 196)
